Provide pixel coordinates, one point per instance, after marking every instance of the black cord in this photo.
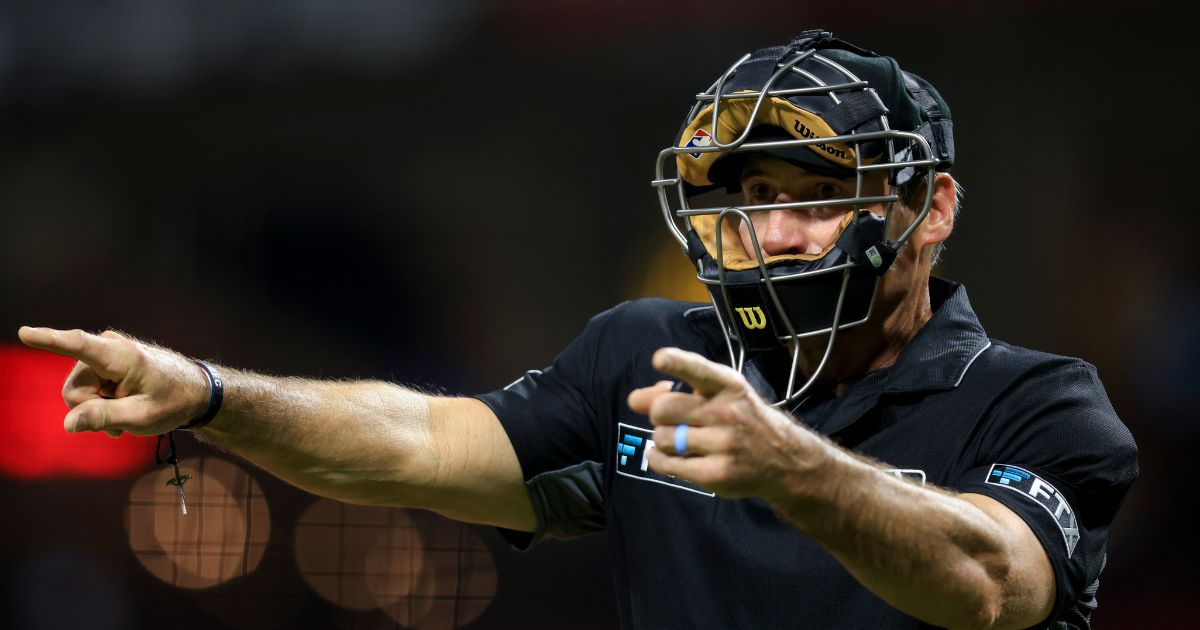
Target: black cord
(179, 479)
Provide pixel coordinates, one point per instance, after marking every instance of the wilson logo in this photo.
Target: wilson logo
(806, 133)
(752, 317)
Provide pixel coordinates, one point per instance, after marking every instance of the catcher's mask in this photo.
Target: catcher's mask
(834, 110)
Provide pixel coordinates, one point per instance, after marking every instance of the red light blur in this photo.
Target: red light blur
(33, 444)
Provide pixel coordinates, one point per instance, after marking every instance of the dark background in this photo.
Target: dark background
(441, 193)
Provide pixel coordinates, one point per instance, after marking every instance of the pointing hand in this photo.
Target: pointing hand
(736, 444)
(120, 384)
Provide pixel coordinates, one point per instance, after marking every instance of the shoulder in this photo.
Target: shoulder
(1010, 369)
(1016, 362)
(617, 344)
(657, 309)
(1043, 375)
(654, 319)
(1058, 403)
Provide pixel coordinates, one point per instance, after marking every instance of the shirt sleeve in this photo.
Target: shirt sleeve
(555, 422)
(1054, 452)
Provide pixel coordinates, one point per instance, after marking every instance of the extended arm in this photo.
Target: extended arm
(362, 441)
(957, 561)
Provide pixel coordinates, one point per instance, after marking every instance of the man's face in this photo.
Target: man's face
(767, 180)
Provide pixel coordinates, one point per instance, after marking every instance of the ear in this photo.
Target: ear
(940, 222)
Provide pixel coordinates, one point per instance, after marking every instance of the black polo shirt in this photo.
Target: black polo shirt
(958, 410)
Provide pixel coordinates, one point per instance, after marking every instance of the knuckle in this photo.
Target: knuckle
(741, 388)
(726, 413)
(722, 470)
(137, 416)
(137, 353)
(729, 373)
(659, 407)
(665, 465)
(97, 416)
(73, 398)
(716, 471)
(724, 441)
(73, 338)
(669, 407)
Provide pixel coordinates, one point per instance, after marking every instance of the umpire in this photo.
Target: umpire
(833, 442)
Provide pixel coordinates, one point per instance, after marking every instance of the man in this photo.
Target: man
(868, 458)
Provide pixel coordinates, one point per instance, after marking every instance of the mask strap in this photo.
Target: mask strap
(936, 129)
(864, 248)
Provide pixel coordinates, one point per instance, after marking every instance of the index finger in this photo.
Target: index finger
(92, 349)
(706, 377)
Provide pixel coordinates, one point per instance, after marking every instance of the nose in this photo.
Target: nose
(791, 230)
(784, 232)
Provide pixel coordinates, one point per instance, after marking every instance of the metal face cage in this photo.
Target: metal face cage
(901, 150)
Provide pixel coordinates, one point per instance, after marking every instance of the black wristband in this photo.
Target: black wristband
(216, 394)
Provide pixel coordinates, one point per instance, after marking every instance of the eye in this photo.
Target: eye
(828, 190)
(761, 192)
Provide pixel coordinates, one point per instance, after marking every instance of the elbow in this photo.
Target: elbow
(984, 612)
(989, 600)
(1009, 580)
(982, 600)
(985, 616)
(988, 617)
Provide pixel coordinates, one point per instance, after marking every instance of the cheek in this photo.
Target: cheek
(826, 232)
(747, 242)
(901, 218)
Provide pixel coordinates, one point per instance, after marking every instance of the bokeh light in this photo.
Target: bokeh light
(457, 581)
(423, 570)
(332, 543)
(223, 536)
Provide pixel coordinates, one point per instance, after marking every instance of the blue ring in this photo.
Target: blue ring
(681, 440)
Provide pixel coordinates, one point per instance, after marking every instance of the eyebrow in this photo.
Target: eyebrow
(752, 171)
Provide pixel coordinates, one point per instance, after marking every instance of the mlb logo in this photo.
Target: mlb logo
(701, 139)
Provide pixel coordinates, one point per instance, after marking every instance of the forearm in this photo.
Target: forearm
(958, 561)
(923, 550)
(362, 442)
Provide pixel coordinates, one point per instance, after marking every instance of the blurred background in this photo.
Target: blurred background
(442, 193)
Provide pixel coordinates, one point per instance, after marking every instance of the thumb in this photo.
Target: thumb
(102, 414)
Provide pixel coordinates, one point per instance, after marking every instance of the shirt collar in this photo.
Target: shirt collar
(936, 359)
(943, 350)
(938, 356)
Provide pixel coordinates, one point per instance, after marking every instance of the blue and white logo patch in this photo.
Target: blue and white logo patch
(633, 444)
(1046, 495)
